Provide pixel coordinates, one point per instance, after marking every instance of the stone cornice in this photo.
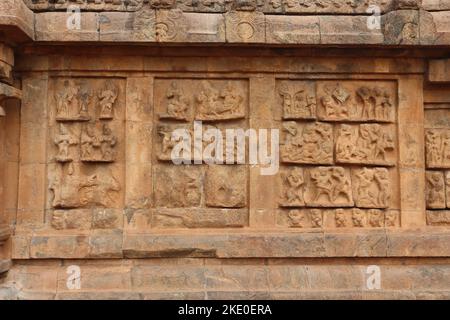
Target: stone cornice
(403, 22)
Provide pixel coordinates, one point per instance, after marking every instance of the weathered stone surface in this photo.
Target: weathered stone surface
(117, 161)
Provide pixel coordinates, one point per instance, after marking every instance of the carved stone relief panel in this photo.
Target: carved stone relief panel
(86, 152)
(356, 101)
(437, 156)
(177, 186)
(338, 150)
(437, 145)
(317, 218)
(368, 143)
(298, 99)
(214, 195)
(185, 100)
(307, 142)
(226, 186)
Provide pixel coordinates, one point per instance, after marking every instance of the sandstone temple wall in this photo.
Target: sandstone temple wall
(87, 180)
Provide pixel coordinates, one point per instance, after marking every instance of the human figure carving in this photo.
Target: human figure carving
(64, 140)
(107, 98)
(294, 182)
(177, 104)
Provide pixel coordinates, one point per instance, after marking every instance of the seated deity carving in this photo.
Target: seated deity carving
(178, 106)
(311, 144)
(215, 104)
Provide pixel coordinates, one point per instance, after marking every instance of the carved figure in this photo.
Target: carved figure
(64, 140)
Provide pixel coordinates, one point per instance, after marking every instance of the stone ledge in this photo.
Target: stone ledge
(380, 243)
(405, 27)
(17, 20)
(217, 279)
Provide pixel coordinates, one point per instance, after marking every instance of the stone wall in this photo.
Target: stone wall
(88, 179)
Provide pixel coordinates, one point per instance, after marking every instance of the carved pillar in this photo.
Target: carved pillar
(6, 92)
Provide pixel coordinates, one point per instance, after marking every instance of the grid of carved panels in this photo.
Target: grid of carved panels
(338, 153)
(198, 195)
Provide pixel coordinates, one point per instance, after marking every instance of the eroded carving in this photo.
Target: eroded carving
(76, 190)
(226, 186)
(298, 100)
(72, 103)
(178, 106)
(435, 190)
(98, 146)
(107, 97)
(356, 102)
(214, 104)
(329, 187)
(307, 143)
(64, 140)
(177, 186)
(369, 143)
(372, 188)
(437, 144)
(293, 185)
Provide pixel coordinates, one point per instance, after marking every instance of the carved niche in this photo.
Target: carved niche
(293, 184)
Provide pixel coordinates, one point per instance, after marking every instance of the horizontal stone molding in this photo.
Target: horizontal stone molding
(115, 244)
(17, 20)
(217, 279)
(404, 24)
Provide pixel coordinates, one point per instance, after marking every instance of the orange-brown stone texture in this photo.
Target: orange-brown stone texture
(94, 205)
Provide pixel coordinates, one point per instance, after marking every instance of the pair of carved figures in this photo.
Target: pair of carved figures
(210, 103)
(368, 143)
(437, 142)
(74, 190)
(328, 184)
(313, 144)
(74, 101)
(94, 146)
